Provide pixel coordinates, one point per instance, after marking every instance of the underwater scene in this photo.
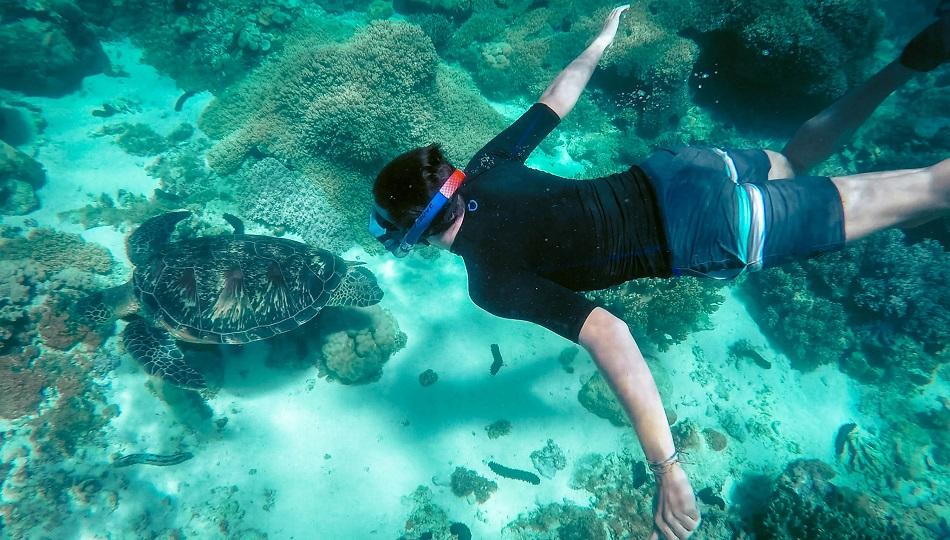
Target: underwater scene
(200, 337)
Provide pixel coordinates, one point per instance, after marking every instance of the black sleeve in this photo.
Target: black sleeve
(521, 295)
(518, 140)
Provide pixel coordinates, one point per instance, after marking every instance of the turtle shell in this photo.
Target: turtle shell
(236, 288)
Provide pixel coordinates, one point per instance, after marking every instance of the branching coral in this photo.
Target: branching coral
(882, 307)
(663, 310)
(811, 329)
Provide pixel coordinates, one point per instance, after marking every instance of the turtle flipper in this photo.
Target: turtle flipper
(156, 350)
(152, 234)
(235, 223)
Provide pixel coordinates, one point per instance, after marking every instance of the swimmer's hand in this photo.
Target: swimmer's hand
(676, 514)
(610, 25)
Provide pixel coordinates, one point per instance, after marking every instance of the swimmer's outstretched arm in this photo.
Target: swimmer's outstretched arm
(616, 354)
(563, 92)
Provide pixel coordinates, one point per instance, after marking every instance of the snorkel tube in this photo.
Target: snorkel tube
(385, 230)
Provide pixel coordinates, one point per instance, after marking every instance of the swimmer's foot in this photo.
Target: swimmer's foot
(931, 47)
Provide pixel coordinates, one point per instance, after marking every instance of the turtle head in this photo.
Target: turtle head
(358, 288)
(101, 308)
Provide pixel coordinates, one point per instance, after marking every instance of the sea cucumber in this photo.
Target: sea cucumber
(162, 460)
(498, 362)
(184, 97)
(515, 474)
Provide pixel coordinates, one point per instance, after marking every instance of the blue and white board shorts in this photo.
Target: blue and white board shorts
(722, 216)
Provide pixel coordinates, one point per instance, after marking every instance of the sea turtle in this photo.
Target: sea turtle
(230, 289)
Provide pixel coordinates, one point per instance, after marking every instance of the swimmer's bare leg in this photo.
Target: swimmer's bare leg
(817, 138)
(880, 200)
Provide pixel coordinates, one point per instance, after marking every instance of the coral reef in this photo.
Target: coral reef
(812, 330)
(47, 47)
(859, 451)
(20, 177)
(650, 63)
(274, 195)
(466, 482)
(184, 175)
(597, 397)
(356, 342)
(557, 521)
(686, 435)
(56, 251)
(715, 440)
(128, 208)
(142, 140)
(426, 517)
(336, 112)
(19, 282)
(21, 385)
(549, 460)
(880, 308)
(769, 53)
(203, 45)
(621, 502)
(428, 377)
(663, 310)
(804, 503)
(498, 428)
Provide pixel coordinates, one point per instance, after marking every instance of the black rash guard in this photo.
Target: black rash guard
(530, 240)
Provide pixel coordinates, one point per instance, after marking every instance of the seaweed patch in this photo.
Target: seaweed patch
(514, 474)
(497, 362)
(161, 460)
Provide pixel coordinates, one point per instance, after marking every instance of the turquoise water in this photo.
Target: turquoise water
(812, 399)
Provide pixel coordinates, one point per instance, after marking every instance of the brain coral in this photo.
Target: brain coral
(357, 342)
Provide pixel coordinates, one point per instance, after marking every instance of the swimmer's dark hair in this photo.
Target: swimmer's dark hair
(407, 183)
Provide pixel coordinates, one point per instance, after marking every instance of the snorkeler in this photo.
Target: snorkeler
(530, 240)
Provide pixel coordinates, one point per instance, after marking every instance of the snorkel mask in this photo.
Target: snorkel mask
(400, 242)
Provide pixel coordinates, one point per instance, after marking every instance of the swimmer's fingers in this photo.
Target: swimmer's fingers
(612, 22)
